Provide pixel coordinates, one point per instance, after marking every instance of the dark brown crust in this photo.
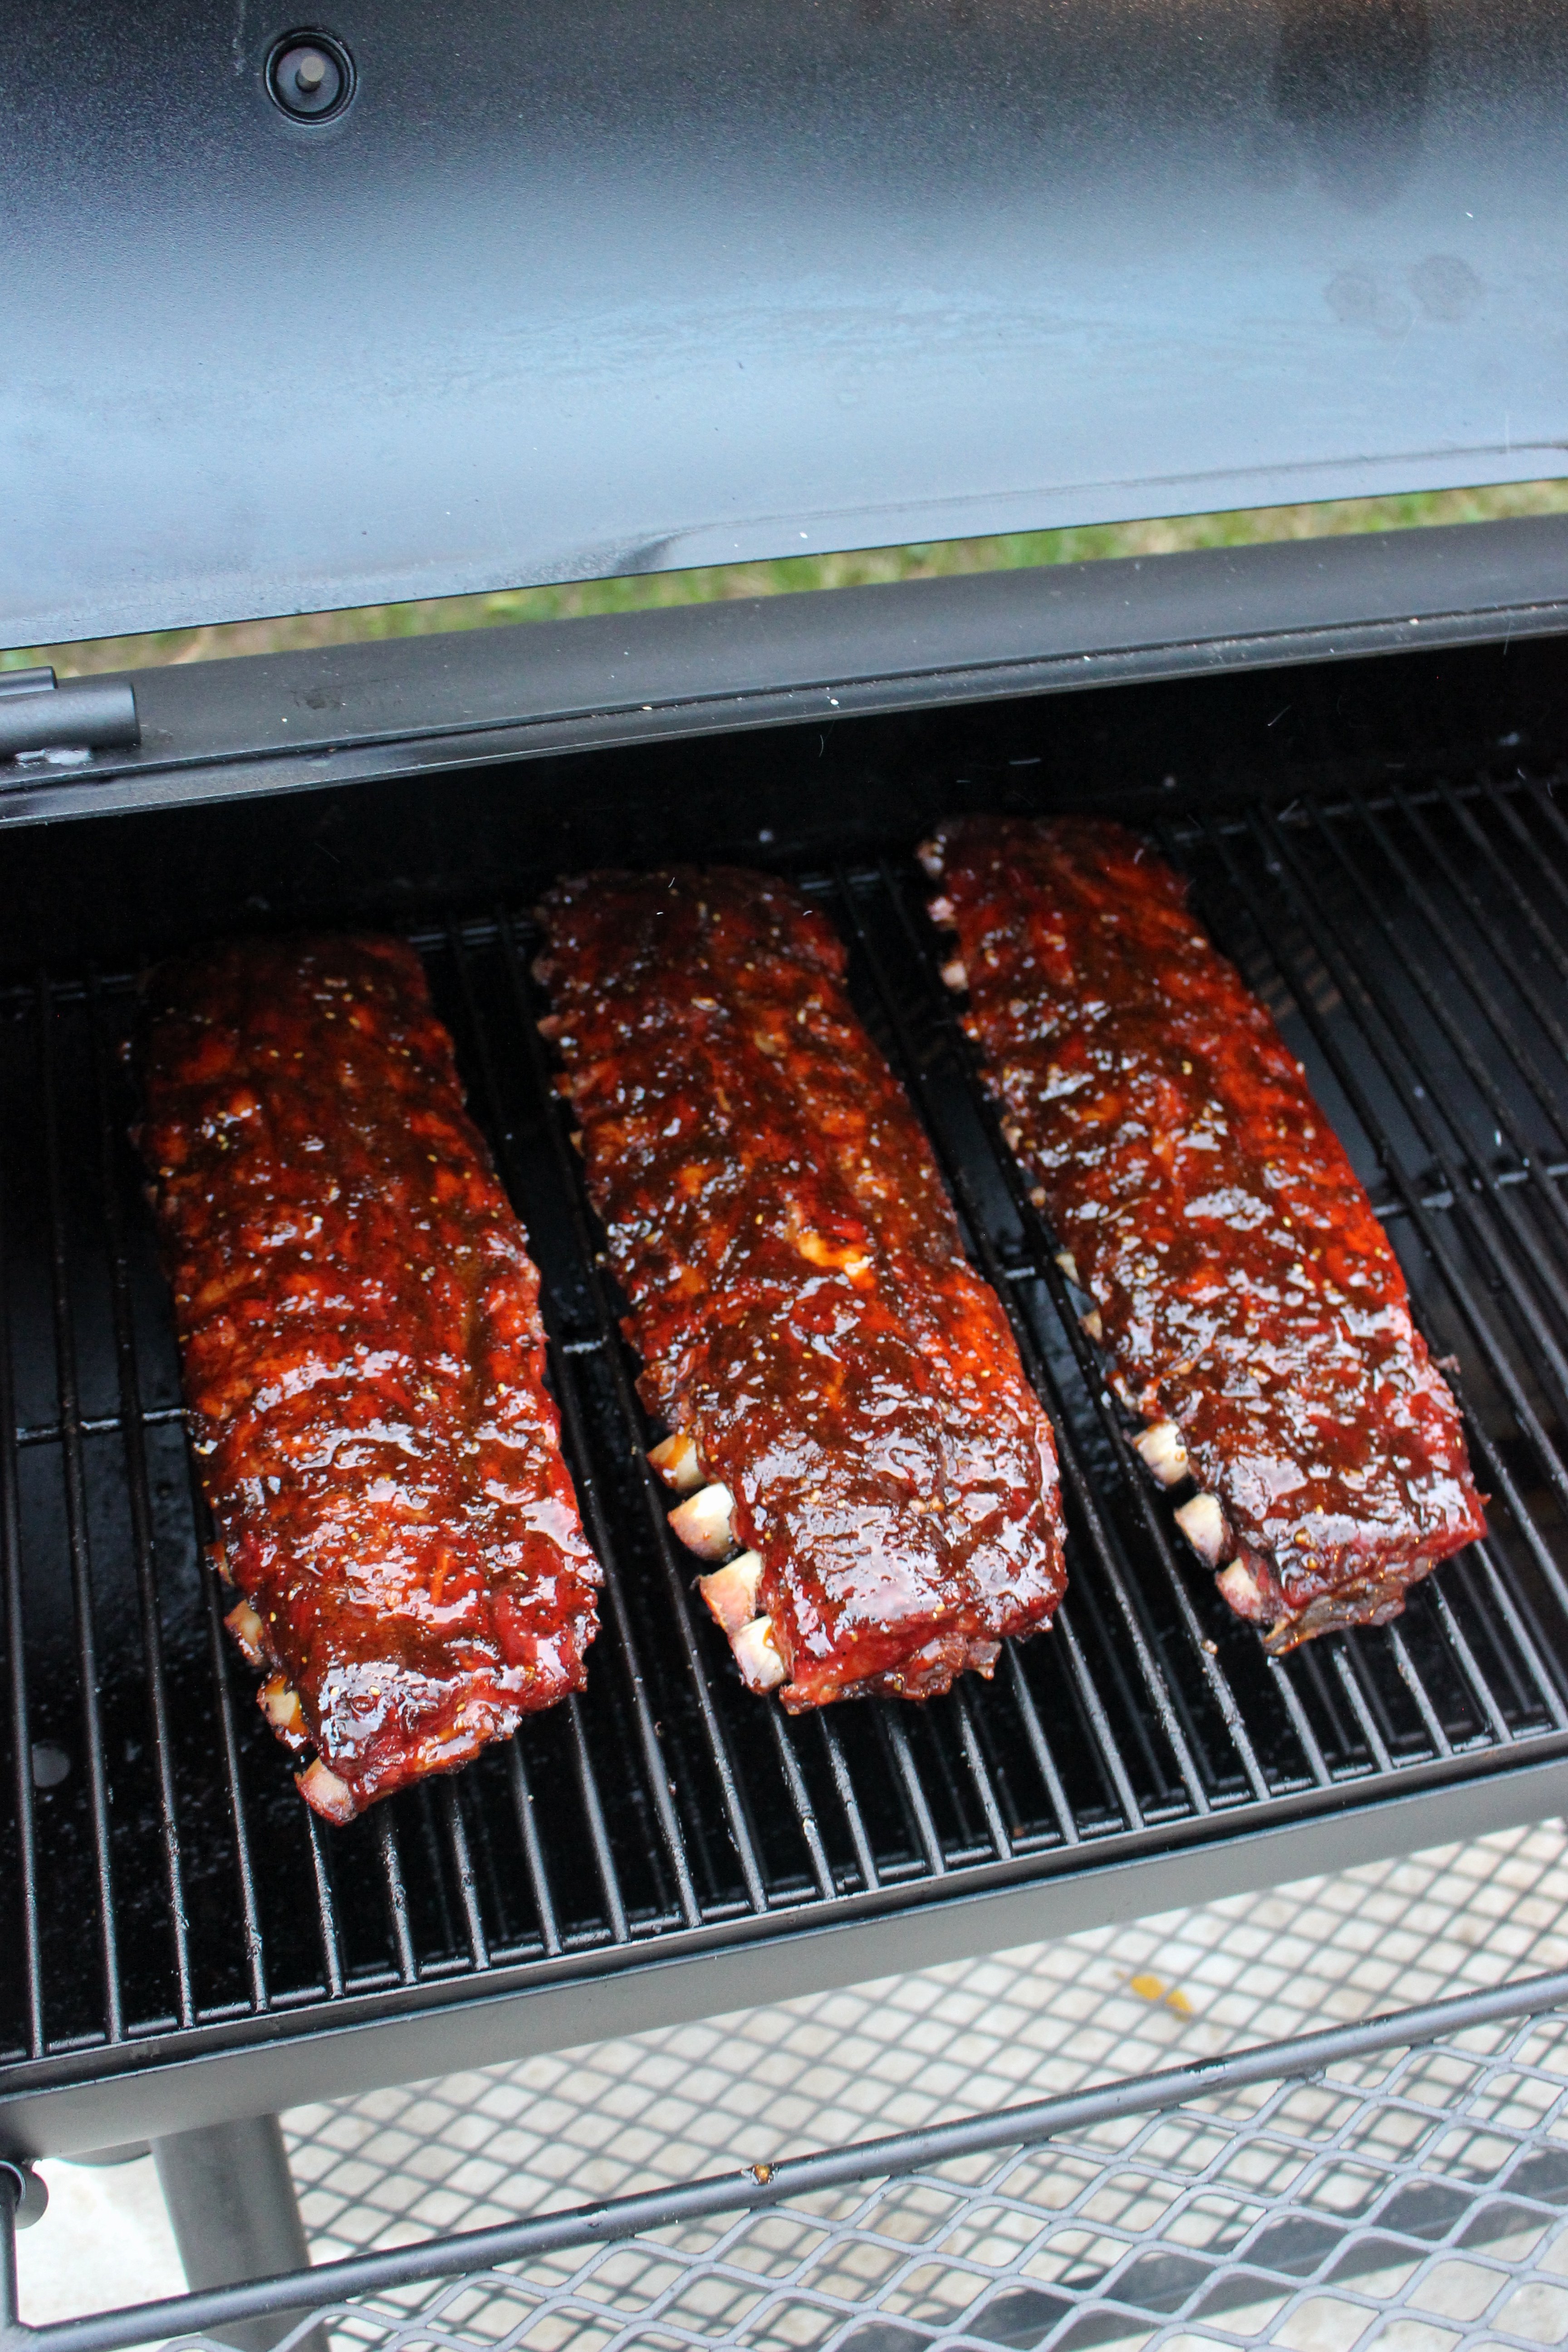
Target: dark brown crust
(363, 1357)
(798, 1289)
(1243, 1286)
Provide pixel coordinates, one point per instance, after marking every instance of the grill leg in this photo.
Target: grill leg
(235, 2216)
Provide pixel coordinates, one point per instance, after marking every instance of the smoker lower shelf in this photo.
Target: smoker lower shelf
(1408, 2168)
(186, 1939)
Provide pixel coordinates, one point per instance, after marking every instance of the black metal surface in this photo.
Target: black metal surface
(85, 714)
(596, 286)
(231, 2204)
(424, 707)
(221, 2313)
(173, 1900)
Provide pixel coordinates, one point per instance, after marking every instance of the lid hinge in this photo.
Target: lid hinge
(39, 717)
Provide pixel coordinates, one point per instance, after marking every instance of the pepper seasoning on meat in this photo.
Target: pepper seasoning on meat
(362, 1359)
(1251, 1309)
(849, 1417)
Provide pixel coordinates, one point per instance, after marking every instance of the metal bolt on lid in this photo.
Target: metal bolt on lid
(311, 76)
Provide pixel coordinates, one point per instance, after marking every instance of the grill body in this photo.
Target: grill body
(1377, 845)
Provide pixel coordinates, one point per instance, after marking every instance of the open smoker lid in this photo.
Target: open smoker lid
(594, 286)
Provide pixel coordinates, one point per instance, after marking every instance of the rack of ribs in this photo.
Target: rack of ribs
(1252, 1312)
(849, 1422)
(363, 1357)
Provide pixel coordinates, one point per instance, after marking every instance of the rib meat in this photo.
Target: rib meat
(1251, 1309)
(363, 1357)
(847, 1404)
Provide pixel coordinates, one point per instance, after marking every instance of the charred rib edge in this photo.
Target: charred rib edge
(705, 1523)
(1161, 1449)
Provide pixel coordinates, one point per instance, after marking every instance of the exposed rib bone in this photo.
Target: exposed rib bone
(1239, 1587)
(1069, 1264)
(956, 976)
(1164, 1453)
(1091, 1324)
(280, 1702)
(705, 1523)
(930, 854)
(326, 1794)
(678, 1463)
(1203, 1523)
(731, 1592)
(762, 1668)
(249, 1631)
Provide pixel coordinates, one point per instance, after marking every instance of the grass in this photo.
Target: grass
(792, 574)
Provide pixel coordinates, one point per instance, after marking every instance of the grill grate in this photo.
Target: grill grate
(171, 1885)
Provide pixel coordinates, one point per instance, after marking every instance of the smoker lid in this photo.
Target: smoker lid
(598, 286)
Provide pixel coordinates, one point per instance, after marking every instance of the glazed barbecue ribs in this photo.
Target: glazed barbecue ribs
(363, 1356)
(848, 1417)
(1252, 1312)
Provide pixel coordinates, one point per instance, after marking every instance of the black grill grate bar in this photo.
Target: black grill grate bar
(390, 1850)
(1347, 1666)
(533, 1850)
(1544, 1684)
(326, 1909)
(97, 1425)
(76, 1536)
(1274, 845)
(16, 1677)
(849, 1804)
(1485, 923)
(549, 1111)
(1405, 1669)
(219, 1651)
(1040, 1747)
(1458, 806)
(1002, 1844)
(148, 1592)
(784, 1739)
(1045, 1266)
(1540, 799)
(656, 1770)
(1355, 989)
(1464, 1047)
(592, 1806)
(1300, 1722)
(1464, 963)
(457, 1839)
(895, 1737)
(915, 1076)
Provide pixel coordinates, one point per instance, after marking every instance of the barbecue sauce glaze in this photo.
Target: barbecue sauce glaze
(362, 1359)
(797, 1286)
(1244, 1286)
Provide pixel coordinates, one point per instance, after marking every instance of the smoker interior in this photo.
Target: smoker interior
(1376, 844)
